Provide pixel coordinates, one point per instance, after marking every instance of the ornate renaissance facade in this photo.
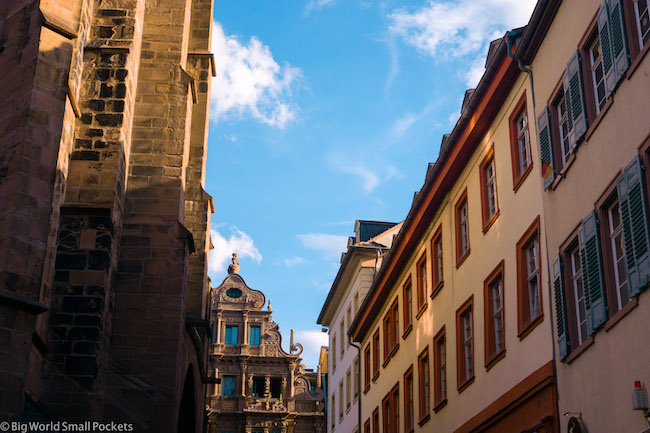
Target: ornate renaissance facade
(262, 389)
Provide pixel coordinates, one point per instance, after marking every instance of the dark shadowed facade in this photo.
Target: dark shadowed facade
(103, 217)
(263, 389)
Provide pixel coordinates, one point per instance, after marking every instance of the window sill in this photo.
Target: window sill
(440, 405)
(465, 384)
(522, 178)
(365, 391)
(347, 409)
(598, 118)
(390, 355)
(375, 376)
(562, 174)
(437, 289)
(620, 314)
(423, 308)
(424, 419)
(460, 260)
(529, 327)
(495, 358)
(637, 61)
(407, 331)
(578, 350)
(490, 222)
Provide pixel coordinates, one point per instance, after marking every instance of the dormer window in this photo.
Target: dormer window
(233, 293)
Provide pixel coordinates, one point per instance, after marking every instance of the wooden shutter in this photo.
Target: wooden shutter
(592, 273)
(604, 36)
(619, 45)
(634, 217)
(576, 90)
(560, 308)
(545, 144)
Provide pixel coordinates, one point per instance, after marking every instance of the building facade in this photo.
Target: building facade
(358, 265)
(591, 70)
(262, 389)
(455, 330)
(103, 217)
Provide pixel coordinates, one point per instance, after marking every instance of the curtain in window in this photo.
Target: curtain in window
(255, 336)
(231, 335)
(228, 386)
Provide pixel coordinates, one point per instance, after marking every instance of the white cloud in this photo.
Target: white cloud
(250, 82)
(230, 137)
(451, 29)
(290, 262)
(238, 242)
(370, 175)
(404, 123)
(475, 72)
(330, 245)
(394, 64)
(316, 5)
(311, 342)
(453, 117)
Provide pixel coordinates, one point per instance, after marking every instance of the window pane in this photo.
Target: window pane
(255, 336)
(228, 386)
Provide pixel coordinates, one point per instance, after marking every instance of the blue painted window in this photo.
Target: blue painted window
(227, 386)
(231, 335)
(255, 336)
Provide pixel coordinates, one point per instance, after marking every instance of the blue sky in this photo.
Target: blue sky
(324, 112)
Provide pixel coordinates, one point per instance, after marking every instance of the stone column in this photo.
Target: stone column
(243, 379)
(267, 386)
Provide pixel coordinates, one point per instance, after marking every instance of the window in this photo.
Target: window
(522, 161)
(409, 423)
(465, 345)
(561, 114)
(355, 375)
(440, 369)
(462, 229)
(228, 386)
(341, 400)
(391, 329)
(424, 385)
(258, 387)
(334, 353)
(494, 317)
(276, 387)
(642, 21)
(366, 368)
(348, 383)
(488, 181)
(375, 355)
(333, 409)
(574, 293)
(529, 286)
(366, 426)
(407, 295)
(615, 229)
(349, 316)
(231, 335)
(390, 413)
(356, 303)
(255, 336)
(597, 75)
(436, 261)
(578, 295)
(342, 334)
(422, 284)
(375, 420)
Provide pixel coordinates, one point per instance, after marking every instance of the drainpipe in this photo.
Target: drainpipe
(511, 36)
(358, 383)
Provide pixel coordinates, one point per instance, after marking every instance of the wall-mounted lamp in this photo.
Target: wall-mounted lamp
(578, 415)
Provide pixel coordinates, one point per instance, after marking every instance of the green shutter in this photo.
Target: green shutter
(619, 45)
(606, 49)
(634, 217)
(545, 144)
(592, 273)
(576, 90)
(560, 308)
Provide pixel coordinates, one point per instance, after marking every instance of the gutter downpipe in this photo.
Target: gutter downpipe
(511, 36)
(358, 383)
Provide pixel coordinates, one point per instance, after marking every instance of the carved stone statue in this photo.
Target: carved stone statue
(234, 268)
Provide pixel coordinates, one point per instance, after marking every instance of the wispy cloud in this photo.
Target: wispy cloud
(316, 5)
(331, 246)
(393, 69)
(401, 126)
(311, 341)
(250, 82)
(370, 175)
(225, 245)
(451, 29)
(290, 262)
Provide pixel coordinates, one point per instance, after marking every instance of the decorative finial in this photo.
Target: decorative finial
(269, 309)
(234, 268)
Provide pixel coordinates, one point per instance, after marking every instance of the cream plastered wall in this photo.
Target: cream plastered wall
(358, 282)
(600, 381)
(517, 212)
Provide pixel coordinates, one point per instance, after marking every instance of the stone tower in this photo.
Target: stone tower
(104, 221)
(262, 389)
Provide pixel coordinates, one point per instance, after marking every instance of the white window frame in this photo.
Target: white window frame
(613, 233)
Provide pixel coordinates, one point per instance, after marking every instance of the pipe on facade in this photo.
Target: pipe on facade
(358, 383)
